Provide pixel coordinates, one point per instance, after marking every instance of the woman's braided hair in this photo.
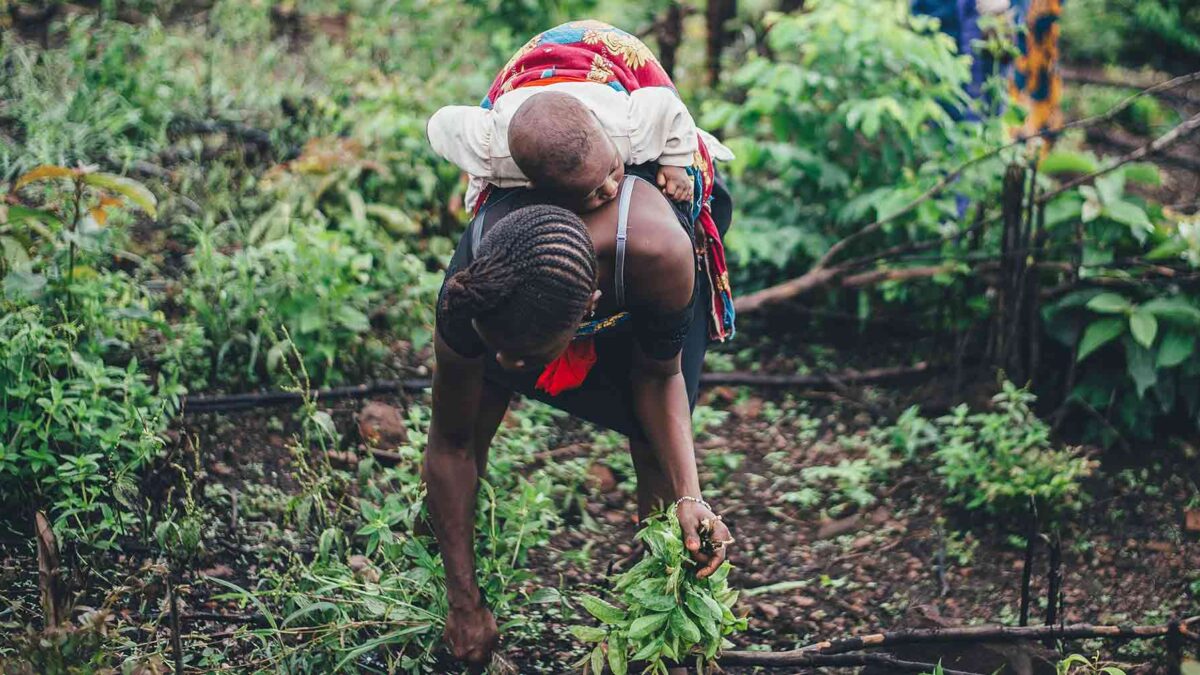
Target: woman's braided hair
(533, 275)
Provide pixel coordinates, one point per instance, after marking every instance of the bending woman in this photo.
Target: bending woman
(523, 279)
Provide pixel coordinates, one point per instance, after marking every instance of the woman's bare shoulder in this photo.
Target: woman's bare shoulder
(660, 265)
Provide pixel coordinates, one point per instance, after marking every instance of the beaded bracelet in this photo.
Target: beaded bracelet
(688, 498)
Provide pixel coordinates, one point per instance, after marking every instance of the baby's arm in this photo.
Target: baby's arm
(662, 130)
(462, 134)
(675, 182)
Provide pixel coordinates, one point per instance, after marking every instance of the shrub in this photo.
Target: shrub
(74, 430)
(319, 284)
(847, 121)
(999, 461)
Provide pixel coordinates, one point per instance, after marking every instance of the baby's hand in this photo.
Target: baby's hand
(675, 182)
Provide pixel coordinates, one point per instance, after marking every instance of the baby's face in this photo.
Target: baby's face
(598, 181)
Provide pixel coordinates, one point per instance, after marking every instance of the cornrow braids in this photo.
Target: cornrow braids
(533, 276)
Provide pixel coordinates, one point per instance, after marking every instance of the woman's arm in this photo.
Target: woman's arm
(451, 476)
(661, 275)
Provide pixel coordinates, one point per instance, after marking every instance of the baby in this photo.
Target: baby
(573, 139)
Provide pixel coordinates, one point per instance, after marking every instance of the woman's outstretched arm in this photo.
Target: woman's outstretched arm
(452, 477)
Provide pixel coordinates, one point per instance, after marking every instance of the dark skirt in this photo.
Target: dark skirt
(606, 397)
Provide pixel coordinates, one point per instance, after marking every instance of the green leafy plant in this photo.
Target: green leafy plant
(845, 122)
(999, 461)
(669, 615)
(1077, 664)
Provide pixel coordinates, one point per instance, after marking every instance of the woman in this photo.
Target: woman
(524, 285)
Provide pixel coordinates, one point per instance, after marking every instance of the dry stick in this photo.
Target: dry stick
(795, 658)
(992, 634)
(1157, 145)
(1055, 585)
(176, 643)
(820, 273)
(1026, 574)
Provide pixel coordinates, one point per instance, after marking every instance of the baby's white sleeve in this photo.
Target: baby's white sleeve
(991, 7)
(463, 135)
(660, 128)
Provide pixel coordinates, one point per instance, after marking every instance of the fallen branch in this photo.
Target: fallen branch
(981, 634)
(1159, 144)
(793, 659)
(1180, 161)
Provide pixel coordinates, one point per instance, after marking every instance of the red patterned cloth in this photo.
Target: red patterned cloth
(592, 51)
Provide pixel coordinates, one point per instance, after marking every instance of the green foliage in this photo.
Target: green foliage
(1164, 34)
(74, 430)
(318, 284)
(846, 123)
(1002, 460)
(375, 591)
(1078, 664)
(669, 615)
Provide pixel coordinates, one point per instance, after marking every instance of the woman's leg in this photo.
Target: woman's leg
(493, 404)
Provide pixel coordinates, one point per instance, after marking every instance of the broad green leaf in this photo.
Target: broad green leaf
(617, 656)
(602, 610)
(1169, 249)
(1066, 161)
(1174, 310)
(645, 625)
(685, 628)
(598, 660)
(136, 192)
(546, 595)
(1143, 173)
(649, 650)
(588, 633)
(1139, 362)
(43, 172)
(1099, 333)
(1176, 347)
(1132, 215)
(352, 319)
(1143, 326)
(1109, 303)
(305, 611)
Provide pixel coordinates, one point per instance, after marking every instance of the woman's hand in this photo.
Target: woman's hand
(700, 527)
(472, 634)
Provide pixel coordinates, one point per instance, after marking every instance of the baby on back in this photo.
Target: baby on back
(573, 139)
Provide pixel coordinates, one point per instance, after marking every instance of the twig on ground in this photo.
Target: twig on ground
(793, 658)
(980, 634)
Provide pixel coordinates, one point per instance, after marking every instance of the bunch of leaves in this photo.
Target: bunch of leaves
(847, 121)
(1145, 116)
(1139, 353)
(669, 615)
(1001, 460)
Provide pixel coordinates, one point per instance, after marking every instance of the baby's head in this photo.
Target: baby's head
(559, 144)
